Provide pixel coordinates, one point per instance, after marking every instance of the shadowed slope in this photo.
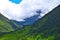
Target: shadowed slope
(47, 28)
(6, 25)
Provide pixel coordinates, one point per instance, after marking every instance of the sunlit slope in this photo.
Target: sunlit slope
(6, 25)
(47, 28)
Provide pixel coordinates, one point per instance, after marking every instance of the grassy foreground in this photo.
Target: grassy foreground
(47, 28)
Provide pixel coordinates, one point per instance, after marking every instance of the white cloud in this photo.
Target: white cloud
(26, 8)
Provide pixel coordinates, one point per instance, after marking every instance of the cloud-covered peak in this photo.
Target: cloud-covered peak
(26, 9)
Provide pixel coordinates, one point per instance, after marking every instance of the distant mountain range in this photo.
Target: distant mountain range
(46, 28)
(29, 21)
(7, 25)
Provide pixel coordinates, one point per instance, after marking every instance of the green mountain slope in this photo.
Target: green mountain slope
(47, 28)
(7, 25)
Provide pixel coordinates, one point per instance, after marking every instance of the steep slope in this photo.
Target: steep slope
(47, 28)
(6, 25)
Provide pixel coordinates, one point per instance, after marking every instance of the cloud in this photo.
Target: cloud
(26, 9)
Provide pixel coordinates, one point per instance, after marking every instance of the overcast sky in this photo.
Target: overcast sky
(27, 8)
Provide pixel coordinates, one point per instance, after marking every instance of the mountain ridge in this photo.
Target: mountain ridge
(47, 28)
(7, 25)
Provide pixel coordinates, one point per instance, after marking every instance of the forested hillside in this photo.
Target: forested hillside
(7, 25)
(47, 28)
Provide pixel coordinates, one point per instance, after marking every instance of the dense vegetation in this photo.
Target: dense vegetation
(7, 25)
(47, 28)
